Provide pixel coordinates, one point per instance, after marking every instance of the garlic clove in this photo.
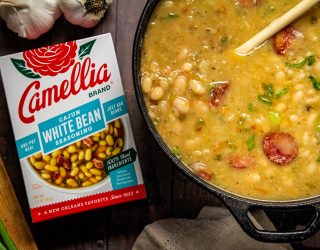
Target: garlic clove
(85, 13)
(77, 16)
(29, 18)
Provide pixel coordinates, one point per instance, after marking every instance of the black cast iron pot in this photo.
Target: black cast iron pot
(238, 205)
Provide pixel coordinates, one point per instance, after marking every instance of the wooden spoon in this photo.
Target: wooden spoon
(274, 27)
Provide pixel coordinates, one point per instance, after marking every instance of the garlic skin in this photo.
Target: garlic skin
(29, 18)
(85, 13)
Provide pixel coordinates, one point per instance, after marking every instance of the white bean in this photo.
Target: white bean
(187, 67)
(306, 138)
(294, 118)
(181, 105)
(183, 54)
(309, 53)
(163, 83)
(152, 115)
(193, 143)
(254, 177)
(179, 86)
(300, 75)
(177, 127)
(312, 100)
(260, 120)
(156, 94)
(197, 153)
(299, 86)
(168, 3)
(154, 67)
(290, 72)
(311, 119)
(280, 76)
(281, 107)
(163, 108)
(312, 92)
(297, 96)
(190, 18)
(196, 87)
(146, 84)
(311, 168)
(201, 107)
(316, 67)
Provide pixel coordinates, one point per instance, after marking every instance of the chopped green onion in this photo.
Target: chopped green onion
(176, 151)
(281, 92)
(2, 246)
(218, 157)
(6, 237)
(212, 86)
(242, 118)
(199, 124)
(231, 145)
(251, 142)
(156, 121)
(265, 99)
(269, 89)
(274, 117)
(251, 108)
(269, 94)
(309, 60)
(170, 16)
(315, 82)
(224, 40)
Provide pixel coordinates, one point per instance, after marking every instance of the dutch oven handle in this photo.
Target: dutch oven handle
(240, 208)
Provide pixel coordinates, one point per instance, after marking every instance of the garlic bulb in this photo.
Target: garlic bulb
(85, 13)
(29, 18)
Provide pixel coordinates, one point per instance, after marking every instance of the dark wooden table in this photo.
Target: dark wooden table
(170, 193)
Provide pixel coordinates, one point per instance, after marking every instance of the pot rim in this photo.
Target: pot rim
(218, 191)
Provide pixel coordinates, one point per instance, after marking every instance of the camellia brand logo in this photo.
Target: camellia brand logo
(51, 61)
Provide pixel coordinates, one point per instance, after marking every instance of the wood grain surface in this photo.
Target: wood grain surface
(11, 214)
(170, 193)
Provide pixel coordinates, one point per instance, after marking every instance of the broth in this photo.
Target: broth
(247, 124)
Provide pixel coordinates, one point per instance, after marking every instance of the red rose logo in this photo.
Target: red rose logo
(51, 60)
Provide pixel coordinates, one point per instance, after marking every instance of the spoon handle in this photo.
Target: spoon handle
(275, 27)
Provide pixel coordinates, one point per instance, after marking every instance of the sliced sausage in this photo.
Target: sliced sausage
(88, 142)
(56, 176)
(241, 161)
(202, 171)
(280, 148)
(283, 39)
(63, 162)
(249, 3)
(205, 174)
(98, 163)
(217, 92)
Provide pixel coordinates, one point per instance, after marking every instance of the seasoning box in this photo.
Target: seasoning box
(71, 125)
